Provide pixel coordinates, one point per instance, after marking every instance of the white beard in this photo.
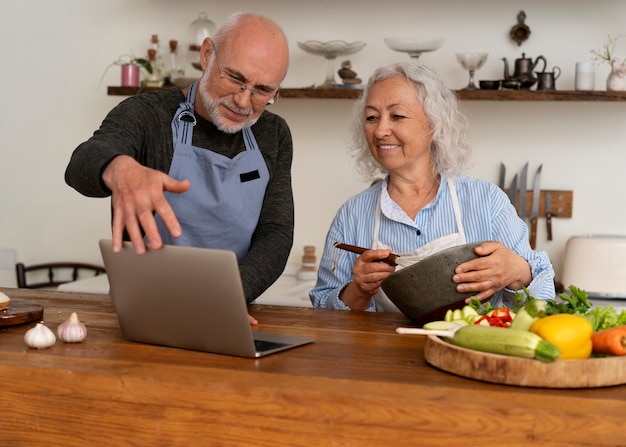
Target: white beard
(212, 107)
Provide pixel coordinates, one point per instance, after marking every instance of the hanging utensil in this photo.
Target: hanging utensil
(549, 215)
(513, 192)
(534, 211)
(522, 193)
(502, 176)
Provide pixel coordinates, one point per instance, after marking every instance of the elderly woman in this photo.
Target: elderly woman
(407, 128)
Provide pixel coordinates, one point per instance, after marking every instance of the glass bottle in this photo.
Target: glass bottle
(157, 64)
(155, 79)
(175, 69)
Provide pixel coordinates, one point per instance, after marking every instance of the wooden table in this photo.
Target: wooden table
(359, 384)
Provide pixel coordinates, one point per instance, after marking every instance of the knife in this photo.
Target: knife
(534, 211)
(549, 215)
(513, 191)
(502, 176)
(522, 193)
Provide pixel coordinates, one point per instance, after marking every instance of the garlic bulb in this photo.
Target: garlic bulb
(40, 337)
(72, 330)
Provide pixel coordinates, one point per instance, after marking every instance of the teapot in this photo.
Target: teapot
(523, 73)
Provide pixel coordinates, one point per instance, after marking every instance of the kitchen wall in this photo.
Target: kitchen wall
(51, 99)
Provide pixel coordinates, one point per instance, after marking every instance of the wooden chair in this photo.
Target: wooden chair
(56, 273)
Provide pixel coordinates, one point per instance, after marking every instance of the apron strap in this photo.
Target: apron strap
(249, 140)
(457, 208)
(182, 125)
(377, 216)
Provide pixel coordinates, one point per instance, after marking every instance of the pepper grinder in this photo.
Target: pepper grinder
(308, 270)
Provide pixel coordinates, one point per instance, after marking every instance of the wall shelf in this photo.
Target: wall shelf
(484, 95)
(472, 95)
(542, 95)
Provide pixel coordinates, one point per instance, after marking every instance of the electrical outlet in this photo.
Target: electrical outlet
(8, 258)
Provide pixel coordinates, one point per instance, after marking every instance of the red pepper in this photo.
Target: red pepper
(500, 317)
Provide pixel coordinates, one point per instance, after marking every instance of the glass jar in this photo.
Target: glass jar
(200, 29)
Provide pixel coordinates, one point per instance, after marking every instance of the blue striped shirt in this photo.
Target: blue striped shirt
(487, 214)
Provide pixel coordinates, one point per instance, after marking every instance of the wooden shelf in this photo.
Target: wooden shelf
(321, 93)
(542, 95)
(473, 95)
(131, 91)
(468, 95)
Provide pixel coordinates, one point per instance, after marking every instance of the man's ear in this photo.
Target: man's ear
(205, 52)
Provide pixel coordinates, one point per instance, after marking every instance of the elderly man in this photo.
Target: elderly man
(206, 165)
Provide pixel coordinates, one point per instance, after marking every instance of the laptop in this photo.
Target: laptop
(186, 297)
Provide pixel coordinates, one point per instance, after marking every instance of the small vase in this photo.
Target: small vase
(616, 82)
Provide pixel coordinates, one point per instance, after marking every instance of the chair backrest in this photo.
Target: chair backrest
(52, 274)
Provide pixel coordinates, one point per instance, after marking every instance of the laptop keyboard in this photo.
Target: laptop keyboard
(264, 345)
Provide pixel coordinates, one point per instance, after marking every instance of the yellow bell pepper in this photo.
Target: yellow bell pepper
(570, 333)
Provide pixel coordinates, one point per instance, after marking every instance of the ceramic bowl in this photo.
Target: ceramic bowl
(489, 85)
(424, 291)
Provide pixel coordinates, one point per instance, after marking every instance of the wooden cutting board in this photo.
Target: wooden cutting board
(494, 368)
(20, 312)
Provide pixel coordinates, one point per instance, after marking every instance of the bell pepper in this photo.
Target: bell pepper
(500, 317)
(570, 333)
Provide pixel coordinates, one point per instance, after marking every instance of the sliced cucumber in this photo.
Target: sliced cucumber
(461, 322)
(457, 314)
(469, 311)
(471, 319)
(441, 325)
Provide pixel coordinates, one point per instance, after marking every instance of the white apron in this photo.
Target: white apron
(383, 303)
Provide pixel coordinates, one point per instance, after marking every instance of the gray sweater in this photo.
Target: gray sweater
(140, 127)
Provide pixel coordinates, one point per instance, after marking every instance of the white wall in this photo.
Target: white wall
(55, 52)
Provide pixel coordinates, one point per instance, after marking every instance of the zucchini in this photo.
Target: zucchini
(527, 315)
(523, 321)
(505, 341)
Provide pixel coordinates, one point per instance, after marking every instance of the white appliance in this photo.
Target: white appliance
(596, 264)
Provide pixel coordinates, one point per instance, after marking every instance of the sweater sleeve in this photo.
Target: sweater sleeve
(139, 127)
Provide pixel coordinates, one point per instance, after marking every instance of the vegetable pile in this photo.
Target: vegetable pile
(566, 327)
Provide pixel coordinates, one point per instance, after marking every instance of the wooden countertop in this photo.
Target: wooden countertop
(359, 384)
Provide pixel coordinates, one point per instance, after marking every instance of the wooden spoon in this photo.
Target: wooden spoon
(391, 259)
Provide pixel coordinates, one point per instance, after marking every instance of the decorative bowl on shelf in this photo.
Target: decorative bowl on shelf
(330, 51)
(489, 84)
(414, 46)
(471, 62)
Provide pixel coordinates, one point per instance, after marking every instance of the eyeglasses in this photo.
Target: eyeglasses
(259, 96)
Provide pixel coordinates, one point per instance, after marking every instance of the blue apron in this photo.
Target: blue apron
(221, 209)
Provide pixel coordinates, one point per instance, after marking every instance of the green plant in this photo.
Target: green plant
(128, 59)
(607, 53)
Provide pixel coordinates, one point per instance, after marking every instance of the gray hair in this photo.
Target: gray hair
(449, 148)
